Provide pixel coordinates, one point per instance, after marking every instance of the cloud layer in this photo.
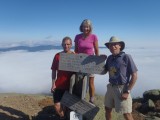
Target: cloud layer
(29, 72)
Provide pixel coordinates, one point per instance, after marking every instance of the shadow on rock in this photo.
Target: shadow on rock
(47, 113)
(12, 114)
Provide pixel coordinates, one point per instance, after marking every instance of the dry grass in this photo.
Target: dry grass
(22, 106)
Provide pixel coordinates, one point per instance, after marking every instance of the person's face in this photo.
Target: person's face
(67, 45)
(115, 48)
(86, 29)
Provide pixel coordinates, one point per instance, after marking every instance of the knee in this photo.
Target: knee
(108, 110)
(108, 114)
(91, 80)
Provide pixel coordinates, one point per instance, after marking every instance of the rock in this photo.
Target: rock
(152, 118)
(151, 94)
(151, 104)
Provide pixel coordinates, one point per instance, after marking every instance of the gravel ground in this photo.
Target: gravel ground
(22, 107)
(40, 107)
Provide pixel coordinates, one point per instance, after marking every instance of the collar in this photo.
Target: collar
(118, 55)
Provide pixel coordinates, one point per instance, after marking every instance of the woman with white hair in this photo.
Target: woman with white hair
(87, 43)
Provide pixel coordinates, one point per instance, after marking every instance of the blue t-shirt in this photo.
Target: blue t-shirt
(120, 68)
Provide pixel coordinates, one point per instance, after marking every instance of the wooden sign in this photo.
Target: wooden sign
(82, 63)
(87, 110)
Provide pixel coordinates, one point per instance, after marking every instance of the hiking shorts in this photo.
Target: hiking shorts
(57, 95)
(113, 99)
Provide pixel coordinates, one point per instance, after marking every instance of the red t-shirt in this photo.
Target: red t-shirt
(63, 77)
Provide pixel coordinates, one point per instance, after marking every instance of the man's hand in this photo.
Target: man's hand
(125, 96)
(103, 56)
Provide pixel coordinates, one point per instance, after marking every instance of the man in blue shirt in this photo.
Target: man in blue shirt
(122, 77)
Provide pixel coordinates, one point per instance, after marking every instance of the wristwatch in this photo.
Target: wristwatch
(127, 91)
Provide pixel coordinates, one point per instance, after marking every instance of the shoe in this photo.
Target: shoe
(63, 118)
(91, 100)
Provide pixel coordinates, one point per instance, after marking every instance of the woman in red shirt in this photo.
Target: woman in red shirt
(60, 79)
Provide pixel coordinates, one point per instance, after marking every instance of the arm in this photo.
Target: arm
(75, 45)
(132, 81)
(96, 49)
(53, 80)
(76, 48)
(132, 70)
(131, 84)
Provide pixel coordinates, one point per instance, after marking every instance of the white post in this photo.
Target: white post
(72, 82)
(84, 87)
(75, 116)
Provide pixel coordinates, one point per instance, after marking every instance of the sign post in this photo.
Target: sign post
(86, 109)
(83, 64)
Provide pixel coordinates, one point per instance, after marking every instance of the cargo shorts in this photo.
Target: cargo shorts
(113, 99)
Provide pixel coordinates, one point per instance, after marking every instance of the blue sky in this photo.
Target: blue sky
(38, 20)
(137, 22)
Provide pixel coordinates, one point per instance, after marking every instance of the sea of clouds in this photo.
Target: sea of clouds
(24, 71)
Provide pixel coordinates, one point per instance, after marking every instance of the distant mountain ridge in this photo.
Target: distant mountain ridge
(31, 48)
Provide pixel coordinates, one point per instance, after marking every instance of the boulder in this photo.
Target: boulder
(147, 106)
(152, 94)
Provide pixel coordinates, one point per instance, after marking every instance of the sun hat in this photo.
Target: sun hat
(114, 39)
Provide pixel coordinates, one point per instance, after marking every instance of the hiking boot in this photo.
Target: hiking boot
(91, 100)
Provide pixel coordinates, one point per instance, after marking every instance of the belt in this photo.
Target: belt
(117, 84)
